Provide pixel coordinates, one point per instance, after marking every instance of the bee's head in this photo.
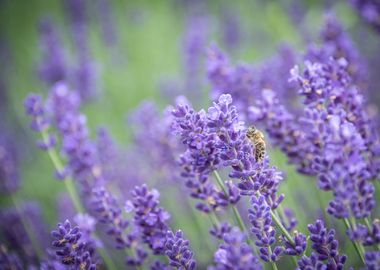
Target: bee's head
(251, 131)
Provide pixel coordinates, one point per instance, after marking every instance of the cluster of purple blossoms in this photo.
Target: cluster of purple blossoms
(70, 248)
(337, 124)
(325, 253)
(9, 174)
(62, 111)
(200, 158)
(27, 233)
(53, 67)
(368, 234)
(237, 152)
(9, 260)
(107, 22)
(109, 213)
(231, 28)
(235, 253)
(153, 138)
(149, 218)
(244, 82)
(221, 131)
(369, 10)
(337, 44)
(178, 251)
(261, 221)
(194, 44)
(372, 260)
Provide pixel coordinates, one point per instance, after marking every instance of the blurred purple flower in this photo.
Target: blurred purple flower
(369, 10)
(27, 241)
(53, 67)
(372, 259)
(9, 260)
(234, 253)
(107, 22)
(9, 165)
(109, 213)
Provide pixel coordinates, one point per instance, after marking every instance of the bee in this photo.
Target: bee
(257, 139)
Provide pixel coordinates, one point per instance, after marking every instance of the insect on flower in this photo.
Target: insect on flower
(258, 140)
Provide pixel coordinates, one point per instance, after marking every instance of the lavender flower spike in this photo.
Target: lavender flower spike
(235, 254)
(325, 253)
(178, 251)
(71, 249)
(149, 218)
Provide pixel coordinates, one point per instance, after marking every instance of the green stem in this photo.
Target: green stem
(358, 249)
(69, 183)
(368, 224)
(214, 219)
(282, 228)
(274, 265)
(235, 211)
(70, 187)
(294, 260)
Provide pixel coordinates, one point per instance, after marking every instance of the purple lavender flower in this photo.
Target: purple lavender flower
(149, 218)
(109, 213)
(231, 28)
(53, 67)
(325, 249)
(178, 251)
(71, 249)
(245, 82)
(194, 45)
(219, 231)
(157, 265)
(86, 225)
(9, 260)
(336, 43)
(298, 248)
(85, 77)
(9, 166)
(27, 235)
(261, 221)
(367, 235)
(107, 22)
(155, 141)
(372, 259)
(85, 73)
(237, 151)
(336, 125)
(83, 160)
(78, 17)
(234, 253)
(201, 156)
(34, 107)
(369, 10)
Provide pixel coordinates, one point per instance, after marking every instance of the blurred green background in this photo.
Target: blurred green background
(148, 50)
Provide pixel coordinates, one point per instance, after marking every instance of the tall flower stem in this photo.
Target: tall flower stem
(274, 265)
(27, 228)
(237, 216)
(358, 247)
(275, 218)
(368, 222)
(70, 187)
(282, 228)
